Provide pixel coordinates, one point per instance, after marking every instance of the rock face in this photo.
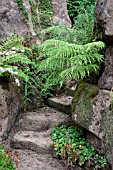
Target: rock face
(92, 109)
(106, 80)
(60, 12)
(13, 20)
(104, 20)
(9, 107)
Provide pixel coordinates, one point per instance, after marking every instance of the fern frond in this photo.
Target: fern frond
(78, 72)
(60, 32)
(14, 58)
(12, 41)
(73, 60)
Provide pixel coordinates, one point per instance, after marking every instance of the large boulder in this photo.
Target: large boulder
(61, 16)
(104, 20)
(106, 80)
(21, 21)
(12, 19)
(10, 105)
(92, 109)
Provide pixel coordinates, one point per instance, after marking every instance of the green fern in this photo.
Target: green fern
(69, 60)
(60, 32)
(13, 51)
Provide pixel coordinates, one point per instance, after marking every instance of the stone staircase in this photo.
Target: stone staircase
(32, 139)
(33, 142)
(34, 129)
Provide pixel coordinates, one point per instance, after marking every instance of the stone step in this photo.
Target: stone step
(62, 103)
(29, 160)
(40, 142)
(41, 120)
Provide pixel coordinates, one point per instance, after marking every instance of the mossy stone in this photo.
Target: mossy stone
(82, 103)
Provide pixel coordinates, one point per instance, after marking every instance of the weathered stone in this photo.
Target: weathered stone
(92, 109)
(62, 103)
(40, 142)
(9, 106)
(61, 16)
(29, 160)
(104, 20)
(41, 119)
(12, 19)
(106, 80)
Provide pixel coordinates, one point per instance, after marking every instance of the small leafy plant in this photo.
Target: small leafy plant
(70, 144)
(5, 161)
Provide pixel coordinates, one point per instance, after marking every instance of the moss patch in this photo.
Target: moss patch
(82, 103)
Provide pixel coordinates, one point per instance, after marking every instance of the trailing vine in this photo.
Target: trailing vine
(41, 13)
(22, 7)
(46, 13)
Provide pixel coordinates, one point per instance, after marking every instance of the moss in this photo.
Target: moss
(82, 102)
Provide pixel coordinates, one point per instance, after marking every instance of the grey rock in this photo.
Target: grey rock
(10, 105)
(41, 120)
(40, 142)
(106, 80)
(61, 16)
(62, 103)
(29, 160)
(93, 110)
(11, 19)
(104, 20)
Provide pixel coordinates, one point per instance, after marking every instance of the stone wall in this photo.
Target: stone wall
(10, 104)
(104, 20)
(92, 108)
(12, 18)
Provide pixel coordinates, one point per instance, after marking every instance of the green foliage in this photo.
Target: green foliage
(65, 61)
(59, 32)
(42, 13)
(70, 144)
(84, 24)
(22, 7)
(5, 161)
(82, 15)
(79, 7)
(13, 52)
(46, 13)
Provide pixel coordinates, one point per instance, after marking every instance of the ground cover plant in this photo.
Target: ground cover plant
(70, 144)
(5, 161)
